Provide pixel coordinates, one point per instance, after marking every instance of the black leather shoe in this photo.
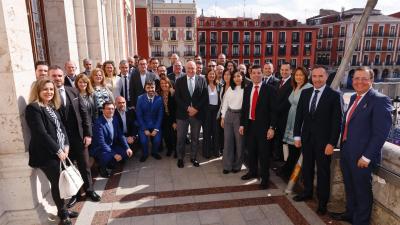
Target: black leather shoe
(301, 198)
(341, 217)
(93, 196)
(73, 214)
(195, 163)
(103, 172)
(156, 156)
(143, 158)
(264, 184)
(248, 176)
(72, 201)
(235, 171)
(169, 153)
(225, 171)
(321, 210)
(66, 221)
(180, 163)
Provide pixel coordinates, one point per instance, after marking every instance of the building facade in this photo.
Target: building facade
(271, 38)
(379, 46)
(55, 31)
(173, 29)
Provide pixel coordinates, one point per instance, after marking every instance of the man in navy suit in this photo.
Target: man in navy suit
(149, 114)
(365, 128)
(316, 131)
(109, 145)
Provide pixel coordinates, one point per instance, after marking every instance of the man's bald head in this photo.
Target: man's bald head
(190, 68)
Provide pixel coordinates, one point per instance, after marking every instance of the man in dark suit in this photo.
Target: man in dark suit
(282, 106)
(70, 72)
(149, 114)
(109, 144)
(77, 124)
(268, 75)
(126, 119)
(365, 128)
(138, 79)
(316, 131)
(257, 123)
(191, 97)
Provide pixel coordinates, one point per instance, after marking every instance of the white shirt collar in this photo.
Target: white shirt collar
(188, 78)
(108, 120)
(321, 89)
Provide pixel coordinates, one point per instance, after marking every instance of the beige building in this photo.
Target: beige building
(173, 30)
(55, 31)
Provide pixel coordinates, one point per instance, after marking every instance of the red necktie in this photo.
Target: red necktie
(281, 83)
(353, 108)
(254, 103)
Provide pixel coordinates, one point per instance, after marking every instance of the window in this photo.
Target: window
(306, 63)
(307, 50)
(225, 49)
(202, 51)
(295, 37)
(257, 50)
(365, 60)
(188, 21)
(201, 23)
(341, 45)
(367, 45)
(319, 45)
(37, 27)
(330, 32)
(172, 21)
(256, 62)
(282, 50)
(390, 45)
(293, 62)
(236, 37)
(246, 61)
(329, 45)
(256, 23)
(269, 50)
(282, 37)
(189, 50)
(246, 50)
(392, 31)
(269, 37)
(213, 50)
(380, 31)
(369, 31)
(225, 38)
(156, 21)
(388, 60)
(377, 59)
(320, 34)
(342, 31)
(245, 23)
(354, 60)
(236, 61)
(295, 50)
(281, 61)
(246, 37)
(212, 23)
(257, 36)
(202, 37)
(213, 37)
(172, 35)
(307, 37)
(235, 50)
(157, 35)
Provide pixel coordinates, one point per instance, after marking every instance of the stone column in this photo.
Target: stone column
(116, 24)
(110, 30)
(81, 35)
(134, 39)
(121, 29)
(20, 193)
(61, 32)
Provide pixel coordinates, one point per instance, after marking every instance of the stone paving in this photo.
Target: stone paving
(159, 193)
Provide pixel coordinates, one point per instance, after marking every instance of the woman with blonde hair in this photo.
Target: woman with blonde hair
(85, 88)
(49, 142)
(101, 92)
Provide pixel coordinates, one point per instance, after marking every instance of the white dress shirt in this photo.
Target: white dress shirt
(143, 78)
(232, 99)
(63, 95)
(191, 80)
(212, 96)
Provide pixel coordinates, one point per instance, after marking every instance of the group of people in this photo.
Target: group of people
(247, 119)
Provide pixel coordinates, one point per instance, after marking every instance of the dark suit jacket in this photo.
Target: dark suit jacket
(67, 82)
(103, 141)
(199, 99)
(273, 81)
(131, 127)
(83, 120)
(172, 77)
(135, 85)
(170, 117)
(43, 145)
(324, 125)
(149, 115)
(265, 114)
(282, 104)
(368, 127)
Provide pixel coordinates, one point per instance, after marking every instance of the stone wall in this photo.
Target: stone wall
(386, 209)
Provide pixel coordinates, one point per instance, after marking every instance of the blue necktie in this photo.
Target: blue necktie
(314, 102)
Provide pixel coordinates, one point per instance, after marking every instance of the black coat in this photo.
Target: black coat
(265, 114)
(43, 145)
(199, 99)
(324, 125)
(135, 85)
(282, 106)
(131, 127)
(170, 117)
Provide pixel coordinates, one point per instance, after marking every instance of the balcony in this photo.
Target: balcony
(295, 41)
(380, 34)
(246, 40)
(307, 40)
(224, 41)
(247, 54)
(270, 41)
(377, 63)
(282, 53)
(213, 41)
(257, 54)
(294, 53)
(188, 24)
(235, 41)
(388, 63)
(257, 41)
(157, 54)
(307, 52)
(330, 35)
(173, 52)
(202, 41)
(156, 24)
(368, 34)
(342, 35)
(235, 54)
(188, 53)
(282, 41)
(340, 48)
(392, 35)
(213, 55)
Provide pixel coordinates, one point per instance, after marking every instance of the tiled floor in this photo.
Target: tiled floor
(157, 192)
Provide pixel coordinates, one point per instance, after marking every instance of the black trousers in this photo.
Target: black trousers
(169, 136)
(314, 153)
(294, 154)
(52, 172)
(258, 151)
(209, 132)
(79, 154)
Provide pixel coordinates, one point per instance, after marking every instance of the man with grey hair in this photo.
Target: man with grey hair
(132, 64)
(87, 64)
(122, 82)
(70, 72)
(191, 95)
(174, 57)
(177, 72)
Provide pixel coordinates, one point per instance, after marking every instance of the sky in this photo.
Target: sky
(291, 9)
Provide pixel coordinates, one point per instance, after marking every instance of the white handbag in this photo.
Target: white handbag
(70, 180)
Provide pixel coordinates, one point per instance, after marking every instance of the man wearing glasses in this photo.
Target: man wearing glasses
(212, 65)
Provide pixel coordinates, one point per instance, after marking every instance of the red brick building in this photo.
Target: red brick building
(379, 46)
(271, 37)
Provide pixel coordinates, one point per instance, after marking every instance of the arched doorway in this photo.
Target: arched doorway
(350, 80)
